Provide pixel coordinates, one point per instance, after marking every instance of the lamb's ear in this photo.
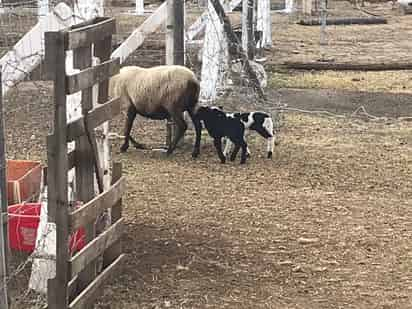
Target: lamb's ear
(221, 107)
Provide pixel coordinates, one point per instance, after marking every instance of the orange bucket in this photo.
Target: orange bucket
(23, 180)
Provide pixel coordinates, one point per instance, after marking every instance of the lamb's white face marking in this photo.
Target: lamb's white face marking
(230, 115)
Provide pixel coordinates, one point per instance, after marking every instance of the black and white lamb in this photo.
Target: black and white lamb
(219, 125)
(258, 121)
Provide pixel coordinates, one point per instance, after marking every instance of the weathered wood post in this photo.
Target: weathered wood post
(248, 37)
(175, 45)
(307, 7)
(264, 25)
(215, 56)
(58, 206)
(3, 212)
(42, 8)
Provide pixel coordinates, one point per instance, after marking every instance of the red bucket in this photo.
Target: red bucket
(23, 223)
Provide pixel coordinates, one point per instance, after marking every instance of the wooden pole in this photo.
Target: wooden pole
(264, 24)
(42, 9)
(85, 167)
(175, 45)
(215, 56)
(3, 213)
(139, 7)
(58, 208)
(236, 49)
(322, 38)
(248, 38)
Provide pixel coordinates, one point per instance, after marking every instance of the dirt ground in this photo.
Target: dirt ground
(324, 224)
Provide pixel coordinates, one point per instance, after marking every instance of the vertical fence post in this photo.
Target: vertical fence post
(175, 45)
(3, 212)
(247, 28)
(139, 7)
(82, 58)
(58, 206)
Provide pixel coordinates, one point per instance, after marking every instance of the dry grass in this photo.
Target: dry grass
(323, 225)
(387, 81)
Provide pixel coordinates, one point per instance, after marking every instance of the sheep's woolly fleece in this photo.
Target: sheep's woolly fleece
(146, 87)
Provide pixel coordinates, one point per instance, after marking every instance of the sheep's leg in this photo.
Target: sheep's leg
(198, 129)
(131, 116)
(218, 145)
(181, 128)
(136, 144)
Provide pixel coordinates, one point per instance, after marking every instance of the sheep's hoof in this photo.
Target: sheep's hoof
(139, 146)
(223, 161)
(124, 148)
(195, 154)
(232, 158)
(270, 155)
(243, 162)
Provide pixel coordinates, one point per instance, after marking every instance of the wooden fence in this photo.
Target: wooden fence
(77, 280)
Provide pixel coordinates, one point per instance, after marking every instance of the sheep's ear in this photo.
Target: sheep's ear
(221, 107)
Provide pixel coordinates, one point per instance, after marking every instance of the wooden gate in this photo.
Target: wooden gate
(77, 280)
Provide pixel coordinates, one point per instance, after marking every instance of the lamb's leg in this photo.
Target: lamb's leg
(181, 128)
(235, 152)
(244, 152)
(228, 146)
(131, 115)
(266, 131)
(218, 145)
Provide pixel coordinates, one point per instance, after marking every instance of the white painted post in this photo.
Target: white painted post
(307, 7)
(264, 24)
(42, 9)
(139, 7)
(88, 9)
(289, 6)
(215, 57)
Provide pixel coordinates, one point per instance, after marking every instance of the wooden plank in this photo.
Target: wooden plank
(136, 39)
(91, 210)
(93, 75)
(175, 44)
(90, 33)
(116, 249)
(96, 117)
(90, 293)
(96, 247)
(3, 211)
(57, 173)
